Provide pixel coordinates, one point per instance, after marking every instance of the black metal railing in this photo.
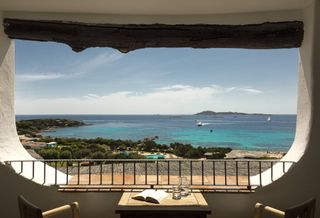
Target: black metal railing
(202, 174)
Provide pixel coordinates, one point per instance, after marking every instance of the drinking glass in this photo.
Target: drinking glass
(184, 186)
(176, 192)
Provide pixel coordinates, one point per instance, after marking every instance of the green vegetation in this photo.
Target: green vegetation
(188, 151)
(100, 148)
(32, 127)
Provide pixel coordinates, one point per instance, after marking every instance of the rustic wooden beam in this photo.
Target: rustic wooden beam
(128, 37)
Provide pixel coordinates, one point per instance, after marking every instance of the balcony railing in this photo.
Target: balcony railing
(134, 173)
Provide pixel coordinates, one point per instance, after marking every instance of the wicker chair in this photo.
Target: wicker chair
(304, 210)
(28, 210)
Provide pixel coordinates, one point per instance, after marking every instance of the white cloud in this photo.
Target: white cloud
(100, 60)
(175, 87)
(249, 90)
(245, 89)
(33, 77)
(77, 70)
(175, 99)
(38, 77)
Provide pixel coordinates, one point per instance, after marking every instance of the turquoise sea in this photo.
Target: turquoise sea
(251, 132)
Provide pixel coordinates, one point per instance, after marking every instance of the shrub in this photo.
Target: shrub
(83, 153)
(98, 155)
(65, 155)
(49, 154)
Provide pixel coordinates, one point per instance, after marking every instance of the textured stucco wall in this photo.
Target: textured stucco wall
(234, 18)
(10, 146)
(300, 183)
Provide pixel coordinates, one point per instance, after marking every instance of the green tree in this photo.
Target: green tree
(98, 155)
(149, 145)
(83, 153)
(49, 154)
(65, 155)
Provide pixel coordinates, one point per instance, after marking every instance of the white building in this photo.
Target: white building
(52, 144)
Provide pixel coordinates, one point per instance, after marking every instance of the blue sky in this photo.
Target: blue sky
(52, 79)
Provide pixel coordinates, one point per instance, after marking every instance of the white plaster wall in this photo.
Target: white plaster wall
(92, 205)
(300, 183)
(154, 7)
(10, 145)
(232, 18)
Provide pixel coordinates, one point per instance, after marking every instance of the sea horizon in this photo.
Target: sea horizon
(249, 113)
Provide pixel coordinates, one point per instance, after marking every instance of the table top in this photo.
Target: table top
(192, 202)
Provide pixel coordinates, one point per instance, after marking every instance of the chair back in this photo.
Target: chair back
(27, 209)
(304, 210)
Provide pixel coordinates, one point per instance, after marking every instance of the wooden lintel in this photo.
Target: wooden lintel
(128, 37)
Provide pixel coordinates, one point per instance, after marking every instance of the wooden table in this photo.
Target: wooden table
(192, 206)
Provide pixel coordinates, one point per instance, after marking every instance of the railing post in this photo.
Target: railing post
(100, 172)
(191, 180)
(249, 183)
(237, 174)
(168, 172)
(123, 173)
(225, 172)
(260, 176)
(32, 170)
(146, 173)
(134, 172)
(78, 172)
(21, 167)
(55, 172)
(202, 172)
(44, 172)
(67, 172)
(157, 172)
(214, 172)
(90, 172)
(112, 182)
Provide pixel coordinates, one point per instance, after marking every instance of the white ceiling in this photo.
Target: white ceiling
(154, 7)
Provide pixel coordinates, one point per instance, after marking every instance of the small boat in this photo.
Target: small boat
(199, 123)
(269, 118)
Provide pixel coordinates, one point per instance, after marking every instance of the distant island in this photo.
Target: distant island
(226, 113)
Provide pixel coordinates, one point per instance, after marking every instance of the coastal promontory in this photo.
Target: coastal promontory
(34, 126)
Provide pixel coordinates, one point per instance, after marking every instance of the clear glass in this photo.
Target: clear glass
(184, 186)
(176, 192)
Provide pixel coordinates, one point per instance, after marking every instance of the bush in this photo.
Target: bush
(98, 155)
(65, 155)
(83, 153)
(49, 154)
(135, 155)
(149, 145)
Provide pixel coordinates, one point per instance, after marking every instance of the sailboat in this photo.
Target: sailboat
(269, 118)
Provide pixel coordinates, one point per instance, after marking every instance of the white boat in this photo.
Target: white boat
(199, 123)
(269, 118)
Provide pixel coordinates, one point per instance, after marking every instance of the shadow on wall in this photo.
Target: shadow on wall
(93, 205)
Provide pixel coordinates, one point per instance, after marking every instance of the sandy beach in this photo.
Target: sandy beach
(247, 154)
